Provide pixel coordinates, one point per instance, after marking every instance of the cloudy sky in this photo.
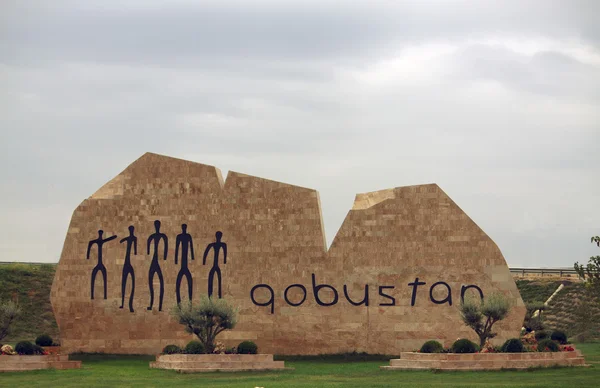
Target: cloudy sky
(497, 102)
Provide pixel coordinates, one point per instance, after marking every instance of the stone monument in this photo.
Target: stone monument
(166, 229)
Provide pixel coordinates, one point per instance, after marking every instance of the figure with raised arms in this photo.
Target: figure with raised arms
(100, 266)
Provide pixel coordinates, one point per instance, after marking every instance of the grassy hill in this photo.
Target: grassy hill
(30, 285)
(569, 311)
(537, 290)
(574, 313)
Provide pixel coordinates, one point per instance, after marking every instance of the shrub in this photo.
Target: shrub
(513, 345)
(37, 349)
(541, 335)
(9, 312)
(464, 346)
(43, 340)
(207, 319)
(219, 348)
(547, 345)
(559, 336)
(171, 349)
(247, 347)
(532, 323)
(231, 350)
(481, 315)
(194, 347)
(25, 347)
(7, 349)
(432, 347)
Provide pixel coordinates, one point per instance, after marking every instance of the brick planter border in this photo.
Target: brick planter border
(484, 361)
(26, 363)
(194, 363)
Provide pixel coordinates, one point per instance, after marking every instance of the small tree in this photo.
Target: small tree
(206, 320)
(481, 315)
(9, 311)
(591, 272)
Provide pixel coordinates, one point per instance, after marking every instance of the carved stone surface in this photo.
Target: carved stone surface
(276, 249)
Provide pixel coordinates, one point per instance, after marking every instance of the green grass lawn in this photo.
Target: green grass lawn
(133, 371)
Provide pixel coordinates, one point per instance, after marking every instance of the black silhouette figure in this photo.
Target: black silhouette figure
(154, 267)
(128, 268)
(216, 246)
(185, 240)
(99, 267)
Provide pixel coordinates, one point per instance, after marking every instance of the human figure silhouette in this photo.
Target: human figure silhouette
(185, 240)
(154, 267)
(99, 267)
(128, 268)
(216, 246)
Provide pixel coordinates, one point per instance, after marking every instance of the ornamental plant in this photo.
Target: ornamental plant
(513, 345)
(28, 349)
(8, 350)
(171, 349)
(464, 346)
(219, 348)
(482, 315)
(247, 347)
(43, 340)
(432, 347)
(559, 336)
(194, 347)
(207, 319)
(541, 335)
(547, 345)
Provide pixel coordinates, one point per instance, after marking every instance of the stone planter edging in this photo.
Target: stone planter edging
(484, 361)
(194, 363)
(24, 363)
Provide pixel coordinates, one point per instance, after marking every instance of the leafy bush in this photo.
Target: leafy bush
(43, 340)
(513, 345)
(464, 346)
(25, 347)
(194, 347)
(231, 350)
(247, 347)
(432, 347)
(541, 335)
(37, 349)
(171, 349)
(207, 319)
(559, 336)
(547, 345)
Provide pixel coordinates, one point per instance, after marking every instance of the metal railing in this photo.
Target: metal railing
(570, 272)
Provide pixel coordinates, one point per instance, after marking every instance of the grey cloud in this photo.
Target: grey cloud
(343, 99)
(190, 34)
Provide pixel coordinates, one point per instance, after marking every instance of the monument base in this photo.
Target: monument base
(194, 363)
(484, 361)
(25, 363)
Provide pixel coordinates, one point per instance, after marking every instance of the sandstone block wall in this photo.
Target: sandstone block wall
(294, 296)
